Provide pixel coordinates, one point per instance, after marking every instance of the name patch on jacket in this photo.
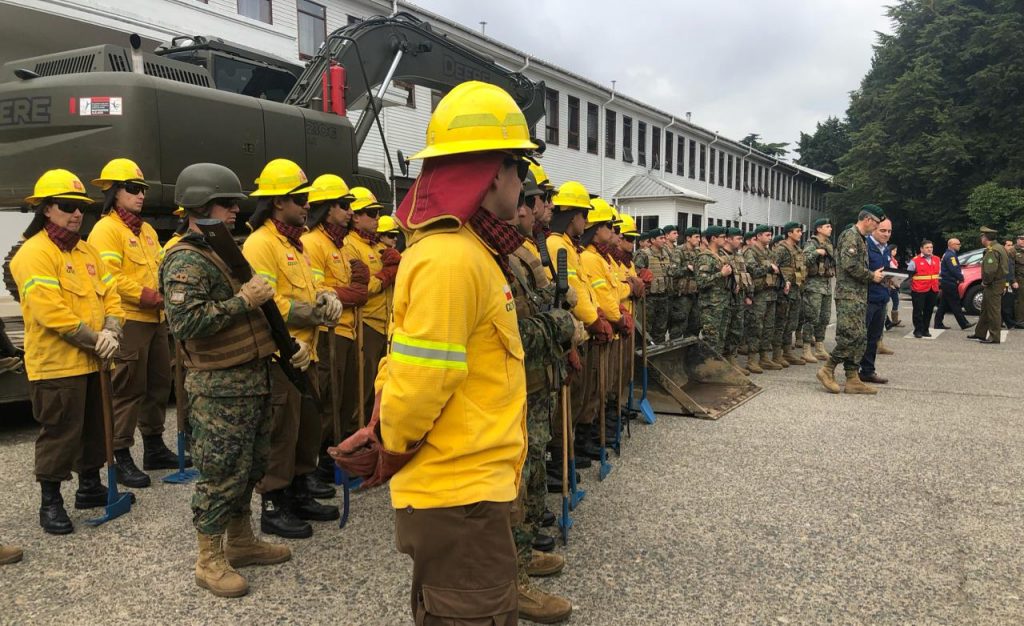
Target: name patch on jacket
(509, 304)
(290, 258)
(89, 267)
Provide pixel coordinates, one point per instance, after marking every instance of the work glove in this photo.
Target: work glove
(364, 455)
(387, 275)
(600, 330)
(636, 286)
(301, 359)
(150, 299)
(580, 336)
(390, 257)
(328, 306)
(106, 343)
(113, 324)
(573, 359)
(355, 293)
(255, 292)
(571, 298)
(646, 275)
(625, 324)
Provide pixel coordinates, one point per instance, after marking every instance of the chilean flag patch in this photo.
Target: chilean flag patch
(508, 293)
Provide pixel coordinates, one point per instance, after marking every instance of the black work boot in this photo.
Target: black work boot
(52, 516)
(156, 455)
(585, 442)
(129, 474)
(543, 543)
(278, 519)
(304, 506)
(317, 488)
(324, 467)
(91, 492)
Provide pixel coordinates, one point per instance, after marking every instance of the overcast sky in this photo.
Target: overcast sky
(771, 67)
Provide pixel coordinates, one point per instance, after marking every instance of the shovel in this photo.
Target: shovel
(576, 494)
(117, 503)
(646, 410)
(565, 523)
(602, 391)
(617, 444)
(340, 475)
(183, 475)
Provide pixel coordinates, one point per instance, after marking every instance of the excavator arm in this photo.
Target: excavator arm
(378, 50)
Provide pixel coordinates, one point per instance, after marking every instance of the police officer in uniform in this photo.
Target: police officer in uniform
(995, 265)
(73, 319)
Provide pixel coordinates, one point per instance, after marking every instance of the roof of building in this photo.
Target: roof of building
(820, 175)
(647, 186)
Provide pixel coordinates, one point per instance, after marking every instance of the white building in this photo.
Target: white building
(656, 164)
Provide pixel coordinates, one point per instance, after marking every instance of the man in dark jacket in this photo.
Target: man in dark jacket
(878, 300)
(950, 277)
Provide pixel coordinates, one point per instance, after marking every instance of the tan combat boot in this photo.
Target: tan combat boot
(545, 564)
(742, 350)
(735, 363)
(10, 554)
(808, 355)
(792, 358)
(827, 377)
(779, 359)
(767, 363)
(242, 548)
(544, 608)
(752, 364)
(855, 385)
(213, 572)
(883, 349)
(820, 352)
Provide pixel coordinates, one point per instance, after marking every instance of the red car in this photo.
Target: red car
(970, 289)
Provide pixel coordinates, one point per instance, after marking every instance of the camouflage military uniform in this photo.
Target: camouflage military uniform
(543, 333)
(817, 293)
(715, 294)
(852, 280)
(739, 307)
(683, 298)
(229, 409)
(658, 297)
(787, 308)
(761, 320)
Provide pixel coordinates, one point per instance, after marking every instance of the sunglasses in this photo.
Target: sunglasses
(531, 201)
(71, 207)
(522, 166)
(134, 188)
(370, 213)
(301, 199)
(227, 203)
(548, 195)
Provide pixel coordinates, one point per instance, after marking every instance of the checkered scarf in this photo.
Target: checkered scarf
(501, 236)
(65, 239)
(606, 251)
(292, 233)
(131, 220)
(370, 238)
(336, 233)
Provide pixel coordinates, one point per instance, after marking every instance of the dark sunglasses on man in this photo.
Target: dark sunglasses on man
(522, 166)
(134, 188)
(70, 206)
(371, 213)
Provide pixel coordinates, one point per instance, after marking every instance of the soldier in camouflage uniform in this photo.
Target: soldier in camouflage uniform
(790, 259)
(544, 332)
(761, 321)
(852, 280)
(656, 259)
(715, 282)
(226, 345)
(742, 298)
(683, 311)
(817, 296)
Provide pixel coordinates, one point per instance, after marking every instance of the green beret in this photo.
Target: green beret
(530, 187)
(824, 221)
(693, 230)
(651, 234)
(747, 236)
(763, 228)
(714, 231)
(733, 232)
(776, 239)
(985, 230)
(875, 210)
(669, 228)
(790, 226)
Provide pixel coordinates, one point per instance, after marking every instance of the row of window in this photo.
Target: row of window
(693, 159)
(695, 220)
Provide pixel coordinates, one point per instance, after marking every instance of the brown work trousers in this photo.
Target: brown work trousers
(70, 412)
(347, 380)
(141, 382)
(463, 564)
(295, 434)
(585, 399)
(990, 319)
(375, 346)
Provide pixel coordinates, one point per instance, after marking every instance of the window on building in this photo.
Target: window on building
(728, 171)
(592, 111)
(573, 141)
(692, 160)
(718, 222)
(721, 168)
(312, 27)
(646, 222)
(668, 150)
(655, 148)
(435, 99)
(712, 154)
(746, 173)
(641, 143)
(609, 133)
(256, 9)
(703, 169)
(696, 221)
(410, 92)
(627, 139)
(551, 117)
(681, 219)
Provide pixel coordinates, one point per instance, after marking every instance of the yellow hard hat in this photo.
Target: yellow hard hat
(58, 184)
(476, 117)
(364, 199)
(541, 176)
(329, 187)
(628, 227)
(600, 212)
(387, 224)
(281, 177)
(572, 195)
(120, 171)
(179, 212)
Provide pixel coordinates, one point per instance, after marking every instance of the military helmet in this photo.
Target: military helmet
(530, 187)
(199, 183)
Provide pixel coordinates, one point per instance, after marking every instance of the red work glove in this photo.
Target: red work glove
(573, 359)
(390, 257)
(625, 324)
(387, 275)
(646, 275)
(600, 330)
(355, 293)
(363, 455)
(150, 299)
(360, 272)
(636, 286)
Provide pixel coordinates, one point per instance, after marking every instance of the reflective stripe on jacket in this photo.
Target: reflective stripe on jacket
(330, 268)
(134, 260)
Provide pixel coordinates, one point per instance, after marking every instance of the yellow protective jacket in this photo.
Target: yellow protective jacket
(455, 376)
(375, 310)
(586, 305)
(59, 292)
(332, 270)
(623, 272)
(170, 244)
(603, 282)
(288, 271)
(133, 260)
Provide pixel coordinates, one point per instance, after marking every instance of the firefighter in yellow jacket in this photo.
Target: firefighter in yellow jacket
(73, 320)
(452, 393)
(276, 252)
(142, 367)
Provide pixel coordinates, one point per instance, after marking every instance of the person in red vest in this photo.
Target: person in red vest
(924, 287)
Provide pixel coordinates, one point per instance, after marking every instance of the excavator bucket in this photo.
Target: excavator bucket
(687, 377)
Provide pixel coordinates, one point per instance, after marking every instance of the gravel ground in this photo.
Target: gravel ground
(797, 507)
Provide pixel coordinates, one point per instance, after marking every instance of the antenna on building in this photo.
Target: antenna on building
(483, 28)
(687, 116)
(613, 84)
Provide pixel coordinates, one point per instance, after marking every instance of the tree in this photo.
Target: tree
(822, 150)
(992, 205)
(777, 149)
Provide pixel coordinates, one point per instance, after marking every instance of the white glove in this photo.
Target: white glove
(301, 359)
(106, 343)
(328, 306)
